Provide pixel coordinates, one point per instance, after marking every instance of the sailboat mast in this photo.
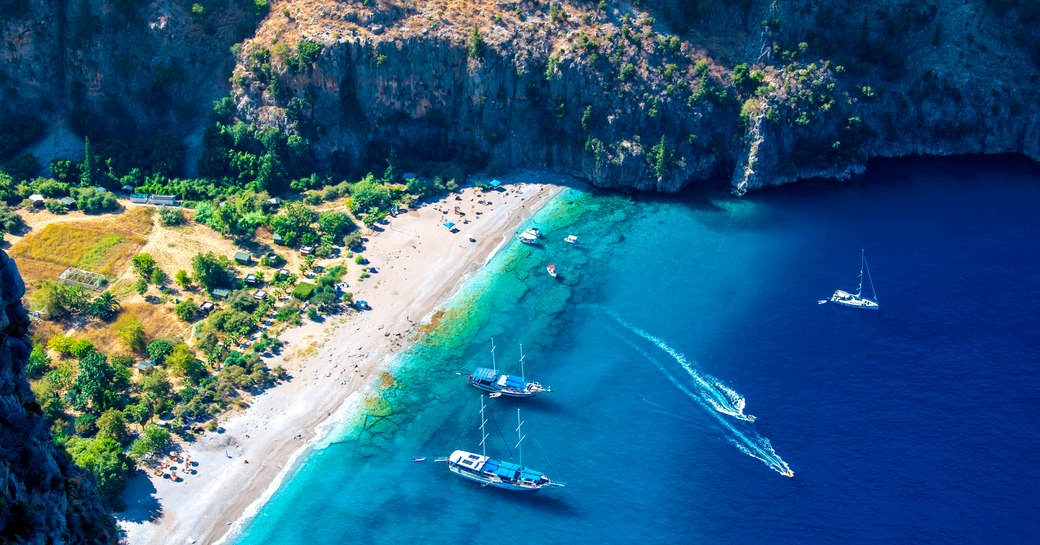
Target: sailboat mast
(522, 361)
(519, 437)
(494, 366)
(862, 259)
(483, 436)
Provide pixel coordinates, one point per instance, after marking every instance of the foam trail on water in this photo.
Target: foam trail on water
(721, 397)
(747, 440)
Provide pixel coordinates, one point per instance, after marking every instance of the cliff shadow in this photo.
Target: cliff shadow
(141, 505)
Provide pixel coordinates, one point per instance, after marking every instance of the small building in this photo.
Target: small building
(139, 198)
(250, 278)
(307, 250)
(259, 295)
(127, 188)
(207, 307)
(163, 200)
(220, 293)
(279, 240)
(68, 202)
(283, 272)
(100, 189)
(274, 201)
(37, 200)
(145, 365)
(243, 258)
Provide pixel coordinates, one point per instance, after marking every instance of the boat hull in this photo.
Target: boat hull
(506, 393)
(852, 300)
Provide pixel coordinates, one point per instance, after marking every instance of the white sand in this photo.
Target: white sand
(420, 265)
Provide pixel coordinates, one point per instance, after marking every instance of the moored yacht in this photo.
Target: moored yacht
(493, 472)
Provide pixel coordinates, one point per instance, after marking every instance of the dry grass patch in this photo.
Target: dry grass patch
(156, 320)
(102, 246)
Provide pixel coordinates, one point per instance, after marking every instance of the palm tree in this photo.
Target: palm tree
(104, 307)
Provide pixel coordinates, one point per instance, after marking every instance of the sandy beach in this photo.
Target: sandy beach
(420, 264)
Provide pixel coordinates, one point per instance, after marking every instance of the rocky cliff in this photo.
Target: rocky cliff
(657, 96)
(44, 498)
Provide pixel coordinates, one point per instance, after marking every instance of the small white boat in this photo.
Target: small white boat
(495, 394)
(857, 300)
(571, 239)
(552, 270)
(419, 459)
(527, 238)
(533, 231)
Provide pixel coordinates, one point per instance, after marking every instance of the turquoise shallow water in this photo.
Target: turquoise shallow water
(677, 318)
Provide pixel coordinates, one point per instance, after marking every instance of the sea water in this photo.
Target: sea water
(671, 323)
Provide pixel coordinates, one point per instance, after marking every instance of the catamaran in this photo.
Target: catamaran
(857, 300)
(500, 474)
(490, 380)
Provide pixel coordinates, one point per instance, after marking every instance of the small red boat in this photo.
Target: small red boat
(552, 270)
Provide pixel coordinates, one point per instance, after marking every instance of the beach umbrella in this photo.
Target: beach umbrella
(449, 224)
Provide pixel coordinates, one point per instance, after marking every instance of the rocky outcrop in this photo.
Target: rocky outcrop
(647, 97)
(44, 498)
(619, 98)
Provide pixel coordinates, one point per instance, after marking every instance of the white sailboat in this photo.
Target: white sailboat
(498, 473)
(857, 300)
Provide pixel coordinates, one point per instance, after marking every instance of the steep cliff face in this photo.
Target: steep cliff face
(651, 97)
(44, 498)
(617, 96)
(118, 68)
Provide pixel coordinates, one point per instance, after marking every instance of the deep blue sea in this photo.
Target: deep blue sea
(674, 320)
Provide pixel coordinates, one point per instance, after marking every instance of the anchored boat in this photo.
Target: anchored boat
(490, 380)
(857, 300)
(498, 473)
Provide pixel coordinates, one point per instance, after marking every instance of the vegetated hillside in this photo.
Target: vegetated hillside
(652, 97)
(44, 497)
(655, 97)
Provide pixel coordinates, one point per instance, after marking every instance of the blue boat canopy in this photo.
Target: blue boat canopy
(515, 382)
(449, 224)
(495, 183)
(484, 374)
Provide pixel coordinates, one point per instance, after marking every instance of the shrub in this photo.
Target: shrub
(182, 279)
(39, 362)
(171, 216)
(303, 291)
(186, 310)
(143, 264)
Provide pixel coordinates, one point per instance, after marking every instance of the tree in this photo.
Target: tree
(89, 166)
(158, 277)
(104, 459)
(104, 307)
(112, 425)
(156, 387)
(293, 223)
(131, 332)
(476, 44)
(38, 364)
(367, 194)
(182, 362)
(334, 223)
(153, 440)
(49, 300)
(143, 264)
(182, 279)
(92, 383)
(159, 349)
(211, 270)
(186, 310)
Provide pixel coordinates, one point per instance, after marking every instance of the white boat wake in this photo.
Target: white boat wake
(716, 399)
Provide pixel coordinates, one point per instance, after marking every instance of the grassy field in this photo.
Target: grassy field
(101, 246)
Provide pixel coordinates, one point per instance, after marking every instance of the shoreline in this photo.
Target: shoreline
(239, 470)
